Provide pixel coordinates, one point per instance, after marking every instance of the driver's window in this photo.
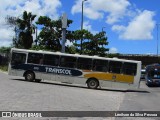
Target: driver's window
(18, 58)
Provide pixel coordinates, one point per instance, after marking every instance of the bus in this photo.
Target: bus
(92, 71)
(152, 76)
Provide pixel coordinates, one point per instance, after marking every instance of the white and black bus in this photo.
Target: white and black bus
(75, 69)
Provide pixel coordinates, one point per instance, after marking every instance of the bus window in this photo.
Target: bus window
(18, 58)
(84, 63)
(52, 60)
(35, 58)
(68, 61)
(129, 68)
(115, 67)
(100, 65)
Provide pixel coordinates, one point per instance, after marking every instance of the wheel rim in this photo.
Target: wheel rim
(29, 76)
(92, 84)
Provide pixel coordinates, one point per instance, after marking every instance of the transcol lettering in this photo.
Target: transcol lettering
(58, 71)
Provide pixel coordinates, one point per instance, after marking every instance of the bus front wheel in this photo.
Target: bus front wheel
(92, 83)
(29, 76)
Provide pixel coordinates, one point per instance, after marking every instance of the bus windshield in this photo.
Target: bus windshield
(18, 58)
(154, 74)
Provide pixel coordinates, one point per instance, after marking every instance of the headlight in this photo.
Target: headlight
(149, 80)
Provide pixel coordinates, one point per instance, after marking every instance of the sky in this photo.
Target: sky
(130, 25)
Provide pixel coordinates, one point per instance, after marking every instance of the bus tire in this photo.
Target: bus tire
(29, 76)
(92, 83)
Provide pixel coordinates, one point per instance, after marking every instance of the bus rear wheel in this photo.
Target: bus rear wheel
(29, 76)
(92, 83)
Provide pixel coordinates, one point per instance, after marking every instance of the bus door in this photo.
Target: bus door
(67, 63)
(35, 63)
(51, 63)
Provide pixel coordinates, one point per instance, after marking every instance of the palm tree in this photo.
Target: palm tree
(26, 29)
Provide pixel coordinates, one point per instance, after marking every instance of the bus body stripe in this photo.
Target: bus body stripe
(111, 76)
(48, 69)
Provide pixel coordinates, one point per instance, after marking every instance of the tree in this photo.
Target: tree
(71, 49)
(83, 35)
(5, 49)
(51, 33)
(98, 44)
(23, 28)
(92, 44)
(26, 29)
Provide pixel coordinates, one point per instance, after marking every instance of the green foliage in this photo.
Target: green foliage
(25, 27)
(35, 47)
(71, 49)
(50, 36)
(51, 33)
(91, 44)
(113, 55)
(5, 49)
(4, 67)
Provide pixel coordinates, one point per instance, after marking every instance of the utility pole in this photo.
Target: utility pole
(82, 25)
(157, 38)
(64, 26)
(36, 36)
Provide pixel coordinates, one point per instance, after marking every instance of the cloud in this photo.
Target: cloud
(88, 26)
(113, 50)
(17, 7)
(68, 43)
(118, 28)
(140, 28)
(6, 36)
(38, 7)
(98, 9)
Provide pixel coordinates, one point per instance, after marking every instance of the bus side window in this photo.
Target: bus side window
(41, 61)
(84, 63)
(34, 58)
(115, 67)
(52, 60)
(100, 65)
(129, 68)
(68, 61)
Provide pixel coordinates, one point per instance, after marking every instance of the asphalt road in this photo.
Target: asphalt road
(19, 95)
(147, 100)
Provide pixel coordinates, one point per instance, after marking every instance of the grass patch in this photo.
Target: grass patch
(4, 67)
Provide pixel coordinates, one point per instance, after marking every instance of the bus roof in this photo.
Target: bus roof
(73, 55)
